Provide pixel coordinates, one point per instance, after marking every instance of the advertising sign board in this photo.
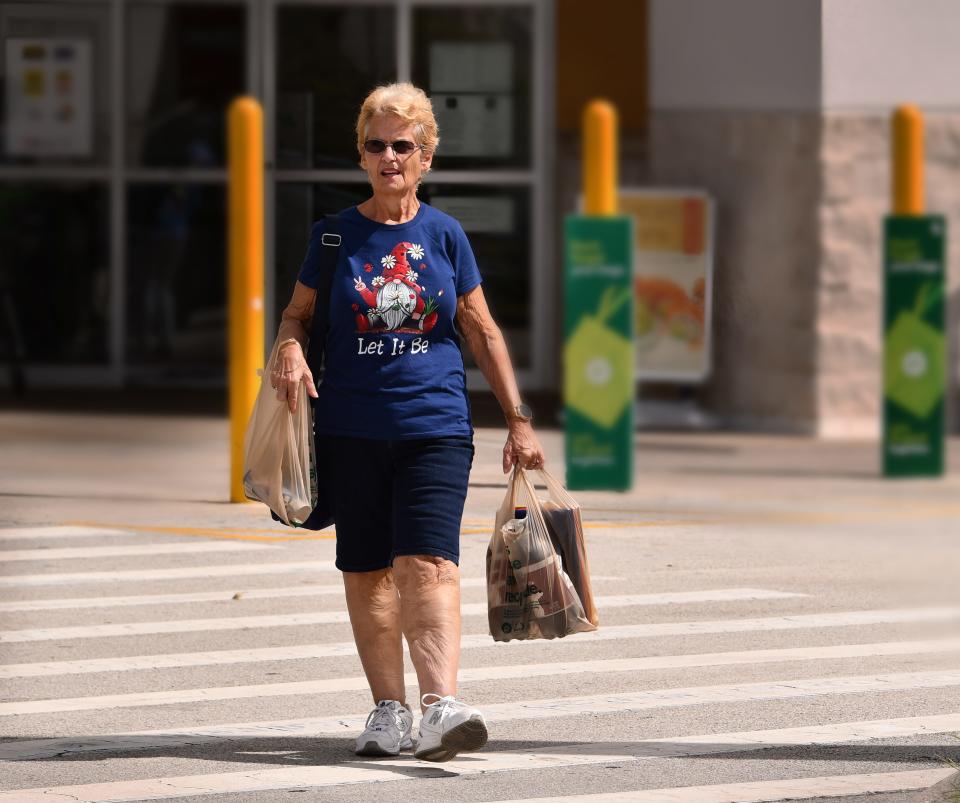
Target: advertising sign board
(672, 282)
(49, 97)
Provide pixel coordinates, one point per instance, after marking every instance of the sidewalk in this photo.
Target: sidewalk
(57, 466)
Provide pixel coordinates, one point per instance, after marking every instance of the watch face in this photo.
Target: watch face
(524, 411)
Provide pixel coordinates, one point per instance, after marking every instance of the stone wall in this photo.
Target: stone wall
(798, 291)
(855, 165)
(855, 170)
(762, 170)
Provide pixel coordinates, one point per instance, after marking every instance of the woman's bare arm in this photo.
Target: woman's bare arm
(291, 365)
(489, 349)
(296, 317)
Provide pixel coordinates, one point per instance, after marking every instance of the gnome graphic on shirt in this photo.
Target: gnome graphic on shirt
(396, 301)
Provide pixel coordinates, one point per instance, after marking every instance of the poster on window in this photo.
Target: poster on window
(470, 86)
(672, 282)
(49, 97)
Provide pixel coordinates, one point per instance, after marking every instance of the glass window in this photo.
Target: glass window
(186, 62)
(476, 64)
(176, 282)
(55, 83)
(54, 270)
(328, 59)
(497, 222)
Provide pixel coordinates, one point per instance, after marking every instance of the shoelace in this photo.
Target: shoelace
(383, 717)
(447, 701)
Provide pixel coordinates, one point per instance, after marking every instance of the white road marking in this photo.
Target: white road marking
(24, 533)
(129, 550)
(349, 772)
(503, 712)
(767, 791)
(706, 744)
(299, 619)
(477, 641)
(471, 675)
(278, 593)
(142, 575)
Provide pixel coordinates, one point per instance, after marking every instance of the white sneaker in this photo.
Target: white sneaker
(387, 731)
(449, 727)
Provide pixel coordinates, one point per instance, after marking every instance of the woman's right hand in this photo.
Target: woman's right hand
(289, 370)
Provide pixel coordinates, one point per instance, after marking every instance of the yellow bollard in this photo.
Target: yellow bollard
(245, 252)
(907, 184)
(600, 158)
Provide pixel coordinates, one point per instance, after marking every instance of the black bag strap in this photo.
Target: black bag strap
(329, 251)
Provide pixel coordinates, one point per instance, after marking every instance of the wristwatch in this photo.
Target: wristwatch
(521, 412)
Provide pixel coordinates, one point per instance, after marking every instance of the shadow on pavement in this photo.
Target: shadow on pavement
(289, 751)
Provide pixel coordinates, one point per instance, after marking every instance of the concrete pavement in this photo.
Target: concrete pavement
(777, 623)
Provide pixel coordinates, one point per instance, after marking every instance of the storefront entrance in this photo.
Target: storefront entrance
(112, 220)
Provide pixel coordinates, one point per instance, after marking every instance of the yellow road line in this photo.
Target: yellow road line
(233, 533)
(475, 527)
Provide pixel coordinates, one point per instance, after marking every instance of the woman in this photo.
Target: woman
(394, 438)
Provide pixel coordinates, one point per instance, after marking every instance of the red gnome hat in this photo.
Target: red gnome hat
(401, 267)
(400, 252)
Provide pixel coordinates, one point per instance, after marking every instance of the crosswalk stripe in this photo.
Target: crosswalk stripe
(830, 733)
(767, 791)
(675, 747)
(501, 712)
(350, 772)
(182, 573)
(127, 550)
(478, 674)
(477, 641)
(718, 595)
(324, 617)
(25, 533)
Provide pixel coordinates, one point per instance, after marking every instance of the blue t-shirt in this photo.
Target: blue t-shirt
(393, 367)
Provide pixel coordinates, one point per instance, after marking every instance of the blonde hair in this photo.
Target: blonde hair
(406, 101)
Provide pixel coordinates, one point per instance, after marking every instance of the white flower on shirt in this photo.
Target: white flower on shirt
(415, 251)
(412, 275)
(388, 261)
(378, 281)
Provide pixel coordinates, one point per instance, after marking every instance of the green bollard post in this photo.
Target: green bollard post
(598, 357)
(915, 350)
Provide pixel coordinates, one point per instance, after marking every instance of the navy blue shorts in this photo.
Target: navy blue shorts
(390, 498)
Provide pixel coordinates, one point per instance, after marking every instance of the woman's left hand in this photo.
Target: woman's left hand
(522, 448)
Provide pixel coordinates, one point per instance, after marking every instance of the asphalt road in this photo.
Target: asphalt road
(777, 623)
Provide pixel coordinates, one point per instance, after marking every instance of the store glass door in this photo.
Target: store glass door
(480, 63)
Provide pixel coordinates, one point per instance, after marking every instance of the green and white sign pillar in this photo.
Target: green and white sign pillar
(915, 359)
(598, 386)
(915, 348)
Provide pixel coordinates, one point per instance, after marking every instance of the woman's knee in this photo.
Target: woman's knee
(425, 572)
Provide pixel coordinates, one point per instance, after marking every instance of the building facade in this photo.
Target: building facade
(112, 227)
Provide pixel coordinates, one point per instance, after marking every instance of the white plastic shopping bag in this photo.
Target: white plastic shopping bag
(529, 595)
(279, 463)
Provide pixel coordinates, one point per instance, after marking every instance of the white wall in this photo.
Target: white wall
(737, 54)
(880, 53)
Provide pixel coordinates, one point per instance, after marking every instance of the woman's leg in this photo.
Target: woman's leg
(374, 607)
(430, 618)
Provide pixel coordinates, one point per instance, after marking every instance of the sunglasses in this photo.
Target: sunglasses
(401, 147)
